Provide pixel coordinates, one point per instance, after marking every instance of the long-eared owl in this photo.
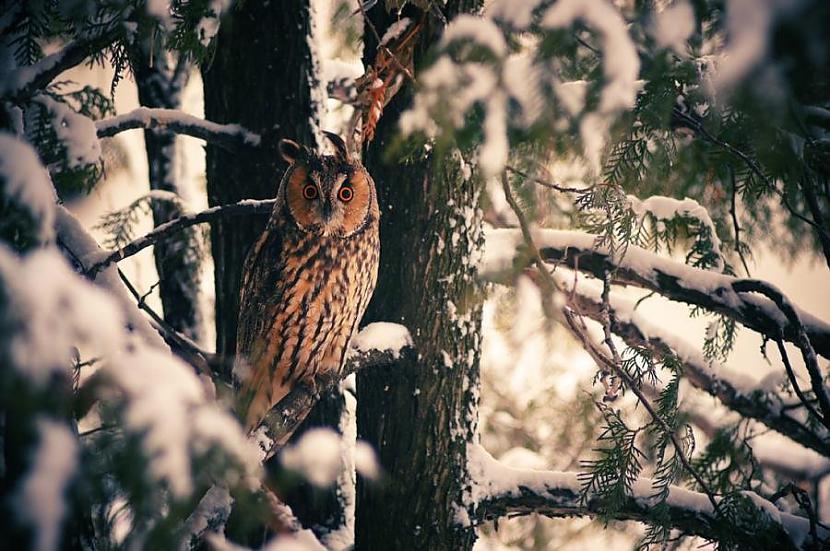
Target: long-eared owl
(308, 279)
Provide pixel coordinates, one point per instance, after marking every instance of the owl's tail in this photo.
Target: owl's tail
(260, 392)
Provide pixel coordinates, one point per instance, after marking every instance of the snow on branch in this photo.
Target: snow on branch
(498, 491)
(26, 81)
(736, 393)
(230, 136)
(639, 267)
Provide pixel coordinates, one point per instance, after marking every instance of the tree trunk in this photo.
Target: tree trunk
(419, 415)
(261, 77)
(160, 86)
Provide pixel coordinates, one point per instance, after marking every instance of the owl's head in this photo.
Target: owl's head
(327, 194)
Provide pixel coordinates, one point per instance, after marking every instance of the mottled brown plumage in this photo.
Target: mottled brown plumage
(309, 277)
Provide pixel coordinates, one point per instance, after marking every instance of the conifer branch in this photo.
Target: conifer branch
(508, 492)
(758, 405)
(29, 80)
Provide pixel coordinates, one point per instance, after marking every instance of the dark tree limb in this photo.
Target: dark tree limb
(673, 280)
(246, 207)
(281, 422)
(800, 338)
(758, 405)
(507, 492)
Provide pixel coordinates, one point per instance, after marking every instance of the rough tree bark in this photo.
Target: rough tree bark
(160, 85)
(420, 415)
(261, 77)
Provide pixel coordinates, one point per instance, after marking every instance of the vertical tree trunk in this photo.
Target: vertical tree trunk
(420, 415)
(160, 86)
(261, 77)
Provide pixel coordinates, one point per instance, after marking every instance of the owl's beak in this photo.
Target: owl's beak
(326, 211)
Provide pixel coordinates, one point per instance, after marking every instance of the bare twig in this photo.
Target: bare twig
(246, 207)
(801, 340)
(733, 210)
(544, 183)
(184, 347)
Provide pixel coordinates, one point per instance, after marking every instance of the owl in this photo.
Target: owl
(308, 278)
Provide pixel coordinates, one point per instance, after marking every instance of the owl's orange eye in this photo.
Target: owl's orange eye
(310, 192)
(346, 194)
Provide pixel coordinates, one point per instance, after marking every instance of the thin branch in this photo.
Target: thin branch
(581, 333)
(764, 407)
(545, 183)
(801, 339)
(733, 210)
(229, 136)
(181, 345)
(245, 207)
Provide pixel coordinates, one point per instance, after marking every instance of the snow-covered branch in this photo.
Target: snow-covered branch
(230, 136)
(80, 245)
(498, 491)
(162, 231)
(733, 391)
(641, 268)
(27, 81)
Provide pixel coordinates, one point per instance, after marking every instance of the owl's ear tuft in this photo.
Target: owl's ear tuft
(340, 150)
(290, 150)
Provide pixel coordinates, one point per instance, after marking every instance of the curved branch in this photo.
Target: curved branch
(800, 338)
(760, 405)
(229, 136)
(162, 231)
(500, 491)
(641, 268)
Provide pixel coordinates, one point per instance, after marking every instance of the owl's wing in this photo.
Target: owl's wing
(261, 297)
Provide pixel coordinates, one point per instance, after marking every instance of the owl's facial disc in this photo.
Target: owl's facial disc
(329, 198)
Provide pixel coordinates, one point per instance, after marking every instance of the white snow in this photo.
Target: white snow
(55, 311)
(516, 13)
(479, 30)
(316, 456)
(175, 419)
(501, 245)
(383, 336)
(208, 27)
(395, 30)
(667, 208)
(748, 29)
(366, 461)
(76, 132)
(620, 64)
(24, 180)
(146, 117)
(490, 478)
(304, 540)
(42, 499)
(673, 26)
